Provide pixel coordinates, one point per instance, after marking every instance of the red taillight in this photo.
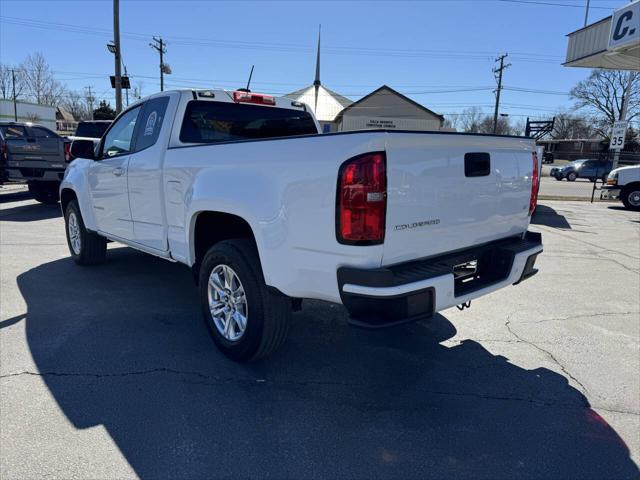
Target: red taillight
(67, 152)
(362, 200)
(258, 98)
(535, 184)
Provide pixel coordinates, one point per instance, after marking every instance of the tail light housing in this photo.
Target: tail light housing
(535, 183)
(361, 202)
(67, 152)
(257, 98)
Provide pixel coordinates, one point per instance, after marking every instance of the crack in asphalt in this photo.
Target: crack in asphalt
(216, 380)
(588, 315)
(546, 352)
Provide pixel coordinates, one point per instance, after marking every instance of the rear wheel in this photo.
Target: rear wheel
(45, 192)
(244, 318)
(86, 248)
(571, 176)
(631, 197)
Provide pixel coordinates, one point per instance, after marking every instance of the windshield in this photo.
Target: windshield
(211, 122)
(91, 130)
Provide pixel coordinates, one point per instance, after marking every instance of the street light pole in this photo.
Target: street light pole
(116, 41)
(15, 103)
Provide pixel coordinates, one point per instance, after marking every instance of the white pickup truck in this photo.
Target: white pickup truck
(624, 184)
(267, 211)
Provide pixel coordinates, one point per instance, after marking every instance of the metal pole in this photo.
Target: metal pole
(586, 13)
(126, 89)
(15, 104)
(623, 112)
(116, 41)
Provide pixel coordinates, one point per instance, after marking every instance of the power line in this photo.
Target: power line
(536, 2)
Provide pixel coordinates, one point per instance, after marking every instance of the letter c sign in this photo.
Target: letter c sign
(620, 32)
(625, 26)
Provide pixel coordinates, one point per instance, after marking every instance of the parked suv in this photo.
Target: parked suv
(33, 154)
(583, 168)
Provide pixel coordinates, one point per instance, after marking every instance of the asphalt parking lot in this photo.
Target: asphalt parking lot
(108, 371)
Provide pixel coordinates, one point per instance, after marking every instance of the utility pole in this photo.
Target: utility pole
(586, 13)
(15, 103)
(88, 95)
(160, 47)
(499, 71)
(116, 41)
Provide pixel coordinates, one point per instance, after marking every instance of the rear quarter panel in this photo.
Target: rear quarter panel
(286, 190)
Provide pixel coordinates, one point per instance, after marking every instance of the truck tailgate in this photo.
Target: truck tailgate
(435, 206)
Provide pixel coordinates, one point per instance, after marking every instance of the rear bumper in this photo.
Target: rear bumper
(30, 173)
(414, 290)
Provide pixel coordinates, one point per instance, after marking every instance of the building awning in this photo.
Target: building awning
(612, 43)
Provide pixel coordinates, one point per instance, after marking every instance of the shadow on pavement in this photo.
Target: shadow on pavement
(126, 348)
(545, 215)
(30, 213)
(13, 195)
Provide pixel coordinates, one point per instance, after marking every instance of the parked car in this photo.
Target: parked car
(90, 129)
(36, 155)
(267, 211)
(624, 184)
(583, 168)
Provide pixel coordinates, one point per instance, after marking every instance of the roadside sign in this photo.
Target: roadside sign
(124, 81)
(618, 133)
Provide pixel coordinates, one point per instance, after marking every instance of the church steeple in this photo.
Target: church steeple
(316, 82)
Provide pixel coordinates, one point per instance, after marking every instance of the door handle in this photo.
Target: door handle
(118, 171)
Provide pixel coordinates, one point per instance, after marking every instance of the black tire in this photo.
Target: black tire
(631, 197)
(268, 314)
(45, 192)
(571, 176)
(93, 247)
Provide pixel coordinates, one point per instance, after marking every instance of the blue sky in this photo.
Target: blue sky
(417, 47)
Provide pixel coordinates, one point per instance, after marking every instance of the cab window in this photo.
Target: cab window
(118, 140)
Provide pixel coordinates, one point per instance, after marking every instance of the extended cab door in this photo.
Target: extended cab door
(145, 175)
(108, 177)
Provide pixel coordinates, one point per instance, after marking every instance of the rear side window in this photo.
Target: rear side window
(41, 132)
(13, 131)
(91, 130)
(150, 122)
(211, 122)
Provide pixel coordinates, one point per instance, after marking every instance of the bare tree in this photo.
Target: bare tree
(76, 105)
(502, 126)
(470, 118)
(40, 84)
(571, 127)
(601, 95)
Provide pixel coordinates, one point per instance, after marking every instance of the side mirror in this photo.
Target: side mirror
(83, 149)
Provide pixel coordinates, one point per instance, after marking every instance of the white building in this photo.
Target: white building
(386, 108)
(28, 112)
(613, 42)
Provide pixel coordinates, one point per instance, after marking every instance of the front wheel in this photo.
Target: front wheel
(45, 192)
(86, 248)
(244, 318)
(571, 176)
(558, 178)
(631, 197)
